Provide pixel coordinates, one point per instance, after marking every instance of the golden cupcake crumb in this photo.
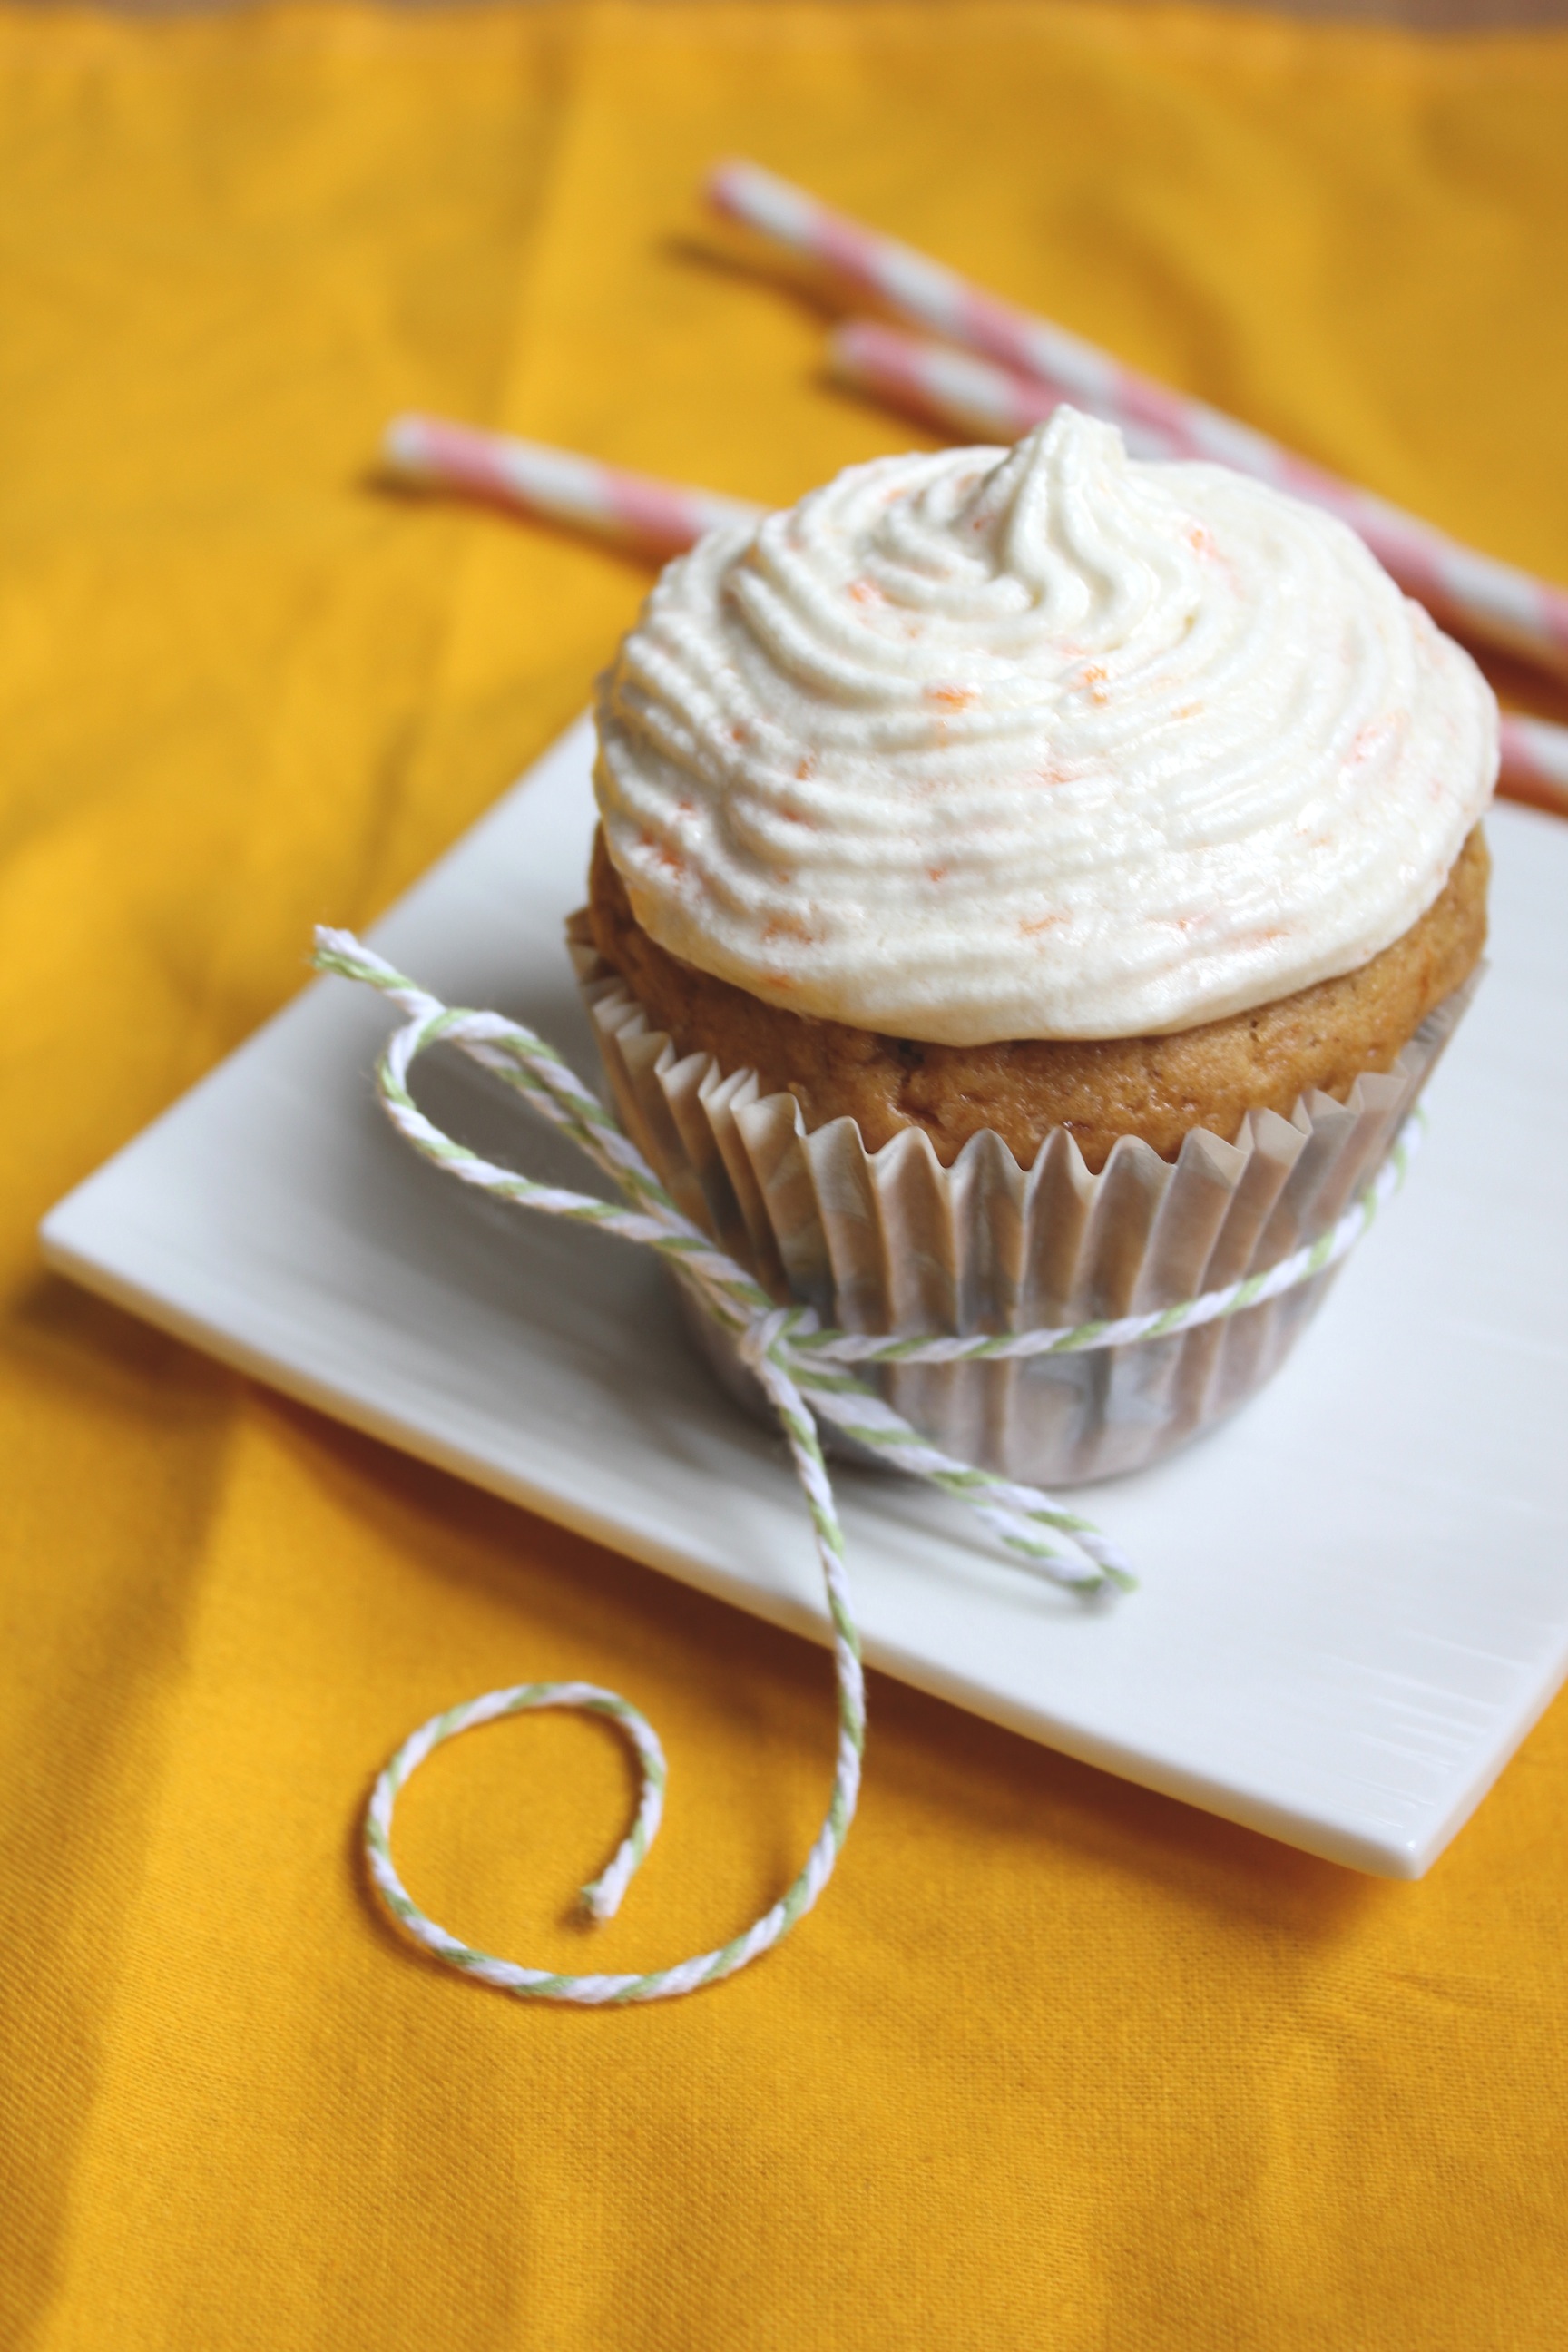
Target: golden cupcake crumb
(1210, 1077)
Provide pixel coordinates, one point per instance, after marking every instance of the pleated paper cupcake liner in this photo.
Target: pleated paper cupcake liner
(891, 1241)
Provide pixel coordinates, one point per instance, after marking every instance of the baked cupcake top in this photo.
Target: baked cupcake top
(1043, 743)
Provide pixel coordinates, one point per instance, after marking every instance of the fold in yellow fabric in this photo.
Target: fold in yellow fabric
(1057, 2062)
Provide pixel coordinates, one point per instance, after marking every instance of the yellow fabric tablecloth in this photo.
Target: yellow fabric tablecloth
(1057, 2062)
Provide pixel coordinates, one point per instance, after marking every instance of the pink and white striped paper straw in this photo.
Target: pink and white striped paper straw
(1534, 763)
(1492, 601)
(632, 510)
(953, 391)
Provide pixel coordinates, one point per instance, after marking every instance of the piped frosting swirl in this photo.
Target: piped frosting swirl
(1043, 743)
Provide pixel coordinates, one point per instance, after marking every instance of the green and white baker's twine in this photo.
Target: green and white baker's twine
(804, 1371)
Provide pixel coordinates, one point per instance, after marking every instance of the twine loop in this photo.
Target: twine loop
(808, 1372)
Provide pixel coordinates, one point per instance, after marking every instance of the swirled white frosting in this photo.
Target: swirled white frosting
(1036, 743)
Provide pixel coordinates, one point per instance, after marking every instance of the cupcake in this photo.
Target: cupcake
(1031, 886)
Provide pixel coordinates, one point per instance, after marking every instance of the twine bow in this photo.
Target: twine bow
(808, 1374)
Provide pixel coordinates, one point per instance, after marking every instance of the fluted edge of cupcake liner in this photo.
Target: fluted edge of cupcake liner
(891, 1241)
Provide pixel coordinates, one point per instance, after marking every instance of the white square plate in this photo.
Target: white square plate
(1355, 1597)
